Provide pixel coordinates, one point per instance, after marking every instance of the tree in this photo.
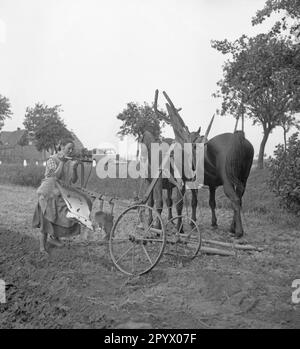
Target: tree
(260, 81)
(138, 118)
(24, 140)
(291, 10)
(284, 178)
(47, 126)
(5, 110)
(287, 122)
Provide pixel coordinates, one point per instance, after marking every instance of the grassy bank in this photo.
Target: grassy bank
(20, 175)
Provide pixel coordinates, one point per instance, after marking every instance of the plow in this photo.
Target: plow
(140, 236)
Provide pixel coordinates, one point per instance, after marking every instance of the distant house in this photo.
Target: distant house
(17, 146)
(108, 153)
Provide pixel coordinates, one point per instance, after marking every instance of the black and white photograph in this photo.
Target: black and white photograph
(150, 167)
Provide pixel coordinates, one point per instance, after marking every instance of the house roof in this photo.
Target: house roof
(11, 138)
(11, 150)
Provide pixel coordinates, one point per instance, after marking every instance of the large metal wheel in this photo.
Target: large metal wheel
(135, 245)
(183, 239)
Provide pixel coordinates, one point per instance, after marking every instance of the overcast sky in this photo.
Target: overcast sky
(94, 56)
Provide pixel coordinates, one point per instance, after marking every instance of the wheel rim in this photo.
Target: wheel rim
(186, 245)
(135, 245)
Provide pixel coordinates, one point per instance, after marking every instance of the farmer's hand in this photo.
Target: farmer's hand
(63, 158)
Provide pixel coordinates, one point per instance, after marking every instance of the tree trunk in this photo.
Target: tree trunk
(284, 137)
(260, 163)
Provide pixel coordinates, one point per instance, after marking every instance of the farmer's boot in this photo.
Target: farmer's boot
(55, 241)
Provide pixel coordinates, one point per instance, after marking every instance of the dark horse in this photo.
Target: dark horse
(227, 161)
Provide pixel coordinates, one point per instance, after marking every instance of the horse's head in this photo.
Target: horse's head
(196, 136)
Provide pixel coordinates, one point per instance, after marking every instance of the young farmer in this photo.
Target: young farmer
(51, 210)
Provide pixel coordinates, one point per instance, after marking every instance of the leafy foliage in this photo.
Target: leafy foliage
(24, 139)
(5, 110)
(138, 118)
(46, 125)
(82, 154)
(291, 10)
(287, 122)
(260, 81)
(285, 174)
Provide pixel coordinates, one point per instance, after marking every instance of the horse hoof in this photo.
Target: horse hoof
(232, 233)
(241, 240)
(44, 253)
(232, 230)
(238, 236)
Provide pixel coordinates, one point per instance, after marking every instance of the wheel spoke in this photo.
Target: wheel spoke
(181, 225)
(144, 248)
(190, 233)
(149, 227)
(125, 253)
(135, 229)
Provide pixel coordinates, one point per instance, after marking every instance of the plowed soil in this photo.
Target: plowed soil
(77, 286)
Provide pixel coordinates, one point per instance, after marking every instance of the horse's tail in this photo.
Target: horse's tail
(237, 165)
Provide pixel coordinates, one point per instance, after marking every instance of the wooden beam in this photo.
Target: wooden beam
(210, 250)
(233, 245)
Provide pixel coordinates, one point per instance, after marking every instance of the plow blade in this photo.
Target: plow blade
(78, 203)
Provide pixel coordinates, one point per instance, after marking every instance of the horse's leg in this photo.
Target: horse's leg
(236, 202)
(233, 224)
(212, 205)
(194, 204)
(240, 194)
(179, 207)
(169, 202)
(150, 203)
(158, 200)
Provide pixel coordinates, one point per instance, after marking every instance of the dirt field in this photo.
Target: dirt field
(78, 287)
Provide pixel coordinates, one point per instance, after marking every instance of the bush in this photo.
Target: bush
(285, 174)
(20, 175)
